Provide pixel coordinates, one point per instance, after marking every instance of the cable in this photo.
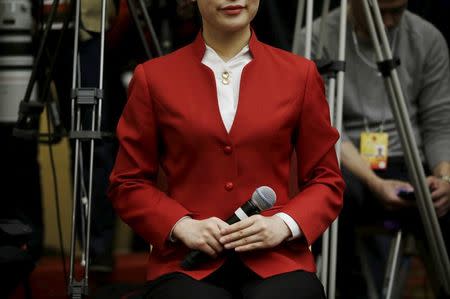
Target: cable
(56, 192)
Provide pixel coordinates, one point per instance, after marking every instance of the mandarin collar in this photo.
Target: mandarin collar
(211, 56)
(199, 46)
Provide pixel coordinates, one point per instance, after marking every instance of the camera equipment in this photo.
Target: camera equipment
(27, 125)
(387, 67)
(335, 92)
(16, 60)
(415, 168)
(87, 102)
(16, 57)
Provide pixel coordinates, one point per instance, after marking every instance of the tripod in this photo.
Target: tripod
(84, 100)
(335, 71)
(134, 10)
(88, 102)
(30, 111)
(386, 66)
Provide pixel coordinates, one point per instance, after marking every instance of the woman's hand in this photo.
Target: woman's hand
(255, 232)
(201, 235)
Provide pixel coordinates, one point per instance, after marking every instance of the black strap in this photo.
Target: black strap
(385, 67)
(89, 135)
(32, 107)
(87, 96)
(330, 67)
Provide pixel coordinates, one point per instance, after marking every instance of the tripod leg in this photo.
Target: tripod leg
(309, 20)
(324, 273)
(298, 26)
(370, 281)
(392, 269)
(338, 125)
(74, 205)
(84, 100)
(323, 28)
(325, 259)
(149, 24)
(74, 125)
(134, 14)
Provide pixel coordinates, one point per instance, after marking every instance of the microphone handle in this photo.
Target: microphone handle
(195, 257)
(233, 219)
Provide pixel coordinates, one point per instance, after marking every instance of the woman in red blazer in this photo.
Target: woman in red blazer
(222, 117)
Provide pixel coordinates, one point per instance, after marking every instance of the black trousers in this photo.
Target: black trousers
(235, 281)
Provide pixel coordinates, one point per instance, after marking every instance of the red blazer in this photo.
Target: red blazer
(172, 119)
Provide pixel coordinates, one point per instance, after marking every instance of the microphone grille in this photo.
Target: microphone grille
(264, 197)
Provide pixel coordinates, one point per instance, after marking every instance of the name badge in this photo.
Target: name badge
(374, 149)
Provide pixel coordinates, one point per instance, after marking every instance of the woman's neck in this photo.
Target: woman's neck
(226, 44)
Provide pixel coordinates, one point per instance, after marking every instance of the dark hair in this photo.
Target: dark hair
(196, 11)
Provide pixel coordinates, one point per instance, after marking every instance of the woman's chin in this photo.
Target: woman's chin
(231, 27)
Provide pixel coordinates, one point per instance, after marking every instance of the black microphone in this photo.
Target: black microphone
(263, 198)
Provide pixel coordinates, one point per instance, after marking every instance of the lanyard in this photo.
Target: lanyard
(374, 66)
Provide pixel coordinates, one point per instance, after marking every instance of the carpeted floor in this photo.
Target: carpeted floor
(417, 285)
(47, 280)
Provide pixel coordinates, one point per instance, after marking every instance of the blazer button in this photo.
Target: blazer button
(228, 149)
(229, 186)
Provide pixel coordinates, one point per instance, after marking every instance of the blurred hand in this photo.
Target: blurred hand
(440, 194)
(255, 232)
(201, 235)
(386, 191)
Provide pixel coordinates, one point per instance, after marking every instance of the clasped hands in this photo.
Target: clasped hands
(213, 235)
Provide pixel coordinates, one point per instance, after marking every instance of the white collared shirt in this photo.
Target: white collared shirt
(228, 98)
(227, 94)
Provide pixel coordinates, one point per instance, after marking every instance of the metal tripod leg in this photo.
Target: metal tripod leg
(393, 264)
(328, 274)
(298, 26)
(84, 100)
(372, 292)
(327, 270)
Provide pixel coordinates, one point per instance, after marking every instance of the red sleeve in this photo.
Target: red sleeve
(133, 192)
(320, 181)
